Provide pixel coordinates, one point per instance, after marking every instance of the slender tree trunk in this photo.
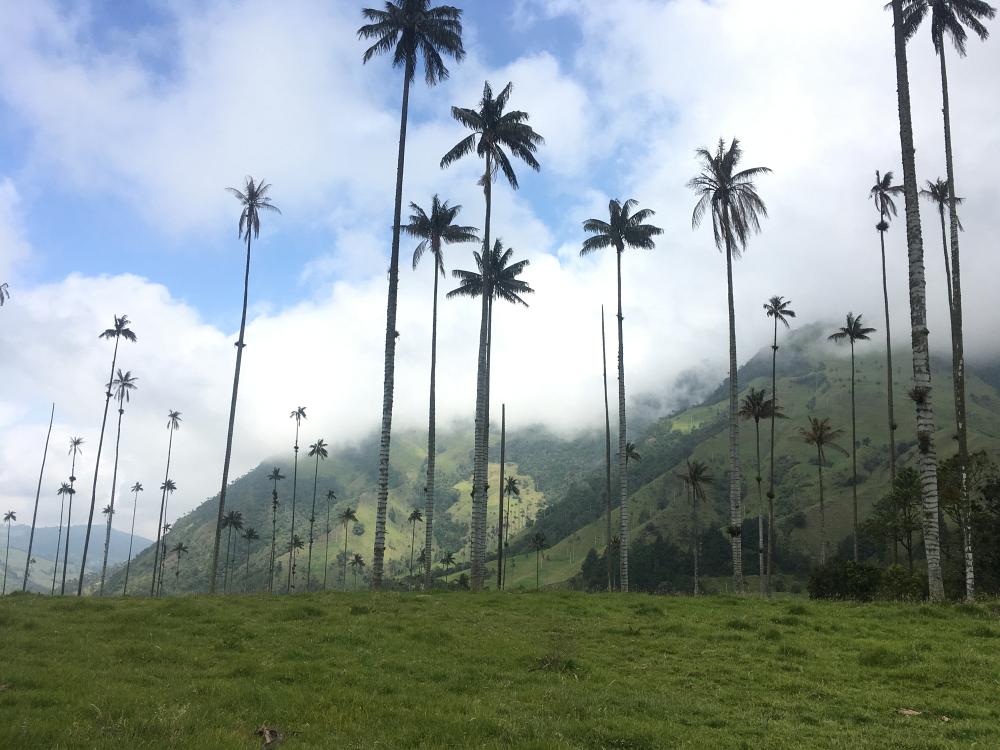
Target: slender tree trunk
(390, 347)
(854, 457)
(431, 437)
(55, 568)
(232, 425)
(225, 567)
(345, 554)
(607, 452)
(695, 532)
(822, 509)
(760, 517)
(918, 319)
(770, 484)
(6, 560)
(312, 528)
(503, 459)
(69, 522)
(246, 575)
(131, 537)
(274, 537)
(38, 495)
(888, 366)
(623, 549)
(735, 499)
(163, 511)
(163, 553)
(947, 273)
(114, 483)
(326, 546)
(295, 488)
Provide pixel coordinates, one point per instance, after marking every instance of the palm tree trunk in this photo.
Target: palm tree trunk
(390, 346)
(957, 339)
(69, 521)
(345, 554)
(232, 425)
(431, 436)
(622, 453)
(760, 517)
(163, 553)
(947, 268)
(55, 568)
(246, 575)
(695, 533)
(888, 365)
(918, 319)
(503, 460)
(770, 484)
(114, 482)
(6, 560)
(131, 537)
(854, 457)
(822, 509)
(295, 488)
(326, 545)
(735, 499)
(225, 566)
(312, 528)
(38, 495)
(274, 539)
(163, 511)
(607, 453)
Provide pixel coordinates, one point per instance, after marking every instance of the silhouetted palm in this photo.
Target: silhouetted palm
(853, 332)
(537, 544)
(937, 193)
(512, 489)
(74, 451)
(253, 200)
(346, 516)
(136, 489)
(233, 520)
(757, 406)
(823, 436)
(730, 196)
(168, 488)
(178, 549)
(275, 476)
(409, 29)
(8, 518)
(119, 331)
(495, 278)
(331, 497)
(448, 561)
(250, 536)
(173, 423)
(123, 384)
(64, 490)
(294, 544)
(625, 228)
(414, 518)
(357, 564)
(318, 451)
(298, 414)
(696, 476)
(434, 231)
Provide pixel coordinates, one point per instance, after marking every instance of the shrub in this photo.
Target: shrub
(899, 584)
(845, 580)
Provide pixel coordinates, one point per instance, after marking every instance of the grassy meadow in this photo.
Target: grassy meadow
(539, 670)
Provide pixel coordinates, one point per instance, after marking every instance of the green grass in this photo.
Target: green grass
(550, 670)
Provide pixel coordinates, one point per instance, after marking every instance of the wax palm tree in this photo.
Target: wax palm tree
(178, 549)
(331, 497)
(173, 424)
(936, 191)
(696, 477)
(821, 435)
(250, 535)
(38, 496)
(409, 29)
(607, 454)
(119, 331)
(8, 518)
(625, 228)
(136, 489)
(951, 18)
(853, 332)
(512, 489)
(414, 518)
(495, 278)
(346, 516)
(233, 520)
(74, 451)
(298, 414)
(448, 561)
(318, 451)
(537, 544)
(64, 490)
(124, 384)
(730, 197)
(757, 406)
(294, 545)
(168, 488)
(357, 564)
(253, 200)
(882, 193)
(434, 231)
(275, 476)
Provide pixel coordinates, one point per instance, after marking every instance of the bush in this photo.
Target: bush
(845, 580)
(898, 584)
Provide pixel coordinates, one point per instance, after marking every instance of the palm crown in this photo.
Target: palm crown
(120, 330)
(298, 414)
(9, 516)
(275, 475)
(347, 515)
(948, 17)
(65, 489)
(234, 519)
(170, 485)
(318, 449)
(436, 228)
(780, 309)
(496, 277)
(853, 331)
(254, 199)
(696, 475)
(623, 229)
(137, 487)
(493, 131)
(822, 435)
(936, 191)
(512, 487)
(74, 445)
(411, 27)
(757, 406)
(173, 420)
(251, 534)
(882, 193)
(415, 516)
(124, 383)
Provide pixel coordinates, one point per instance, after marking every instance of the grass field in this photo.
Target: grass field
(550, 670)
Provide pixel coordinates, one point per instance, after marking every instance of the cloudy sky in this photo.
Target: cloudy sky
(122, 121)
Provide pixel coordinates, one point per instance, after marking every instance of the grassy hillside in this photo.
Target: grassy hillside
(495, 671)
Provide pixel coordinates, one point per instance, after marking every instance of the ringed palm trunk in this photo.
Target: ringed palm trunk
(312, 528)
(38, 495)
(163, 513)
(295, 488)
(131, 537)
(345, 554)
(55, 568)
(431, 436)
(622, 452)
(274, 539)
(854, 458)
(927, 456)
(69, 521)
(6, 560)
(607, 453)
(503, 463)
(770, 484)
(390, 347)
(957, 341)
(760, 516)
(232, 424)
(326, 546)
(735, 501)
(225, 567)
(695, 533)
(888, 364)
(822, 509)
(163, 552)
(114, 482)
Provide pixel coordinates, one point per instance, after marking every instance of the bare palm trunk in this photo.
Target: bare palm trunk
(888, 365)
(69, 521)
(55, 568)
(274, 540)
(695, 533)
(622, 452)
(312, 528)
(114, 482)
(163, 553)
(503, 459)
(232, 425)
(6, 561)
(38, 495)
(770, 485)
(854, 457)
(295, 488)
(131, 537)
(326, 546)
(735, 499)
(163, 512)
(760, 517)
(226, 566)
(381, 507)
(607, 453)
(822, 510)
(918, 318)
(431, 437)
(345, 554)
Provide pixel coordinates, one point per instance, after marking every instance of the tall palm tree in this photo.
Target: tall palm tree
(626, 227)
(8, 518)
(123, 384)
(163, 561)
(512, 489)
(537, 544)
(173, 424)
(74, 451)
(346, 516)
(275, 476)
(178, 549)
(357, 564)
(298, 414)
(882, 193)
(410, 29)
(62, 492)
(494, 132)
(415, 517)
(495, 278)
(38, 496)
(434, 230)
(253, 200)
(950, 18)
(731, 197)
(937, 193)
(780, 309)
(757, 406)
(331, 497)
(318, 451)
(448, 561)
(168, 488)
(607, 454)
(823, 436)
(119, 331)
(250, 536)
(853, 332)
(136, 489)
(696, 477)
(294, 544)
(233, 520)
